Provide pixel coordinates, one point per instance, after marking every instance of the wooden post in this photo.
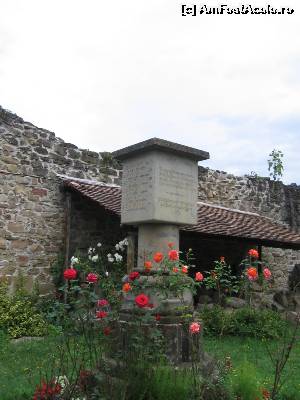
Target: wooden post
(259, 248)
(67, 227)
(131, 237)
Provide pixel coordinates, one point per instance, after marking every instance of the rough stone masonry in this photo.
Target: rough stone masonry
(32, 207)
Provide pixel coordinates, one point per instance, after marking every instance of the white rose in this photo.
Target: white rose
(99, 244)
(118, 257)
(74, 260)
(110, 257)
(95, 258)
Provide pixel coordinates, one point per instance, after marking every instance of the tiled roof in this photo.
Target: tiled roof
(108, 196)
(214, 221)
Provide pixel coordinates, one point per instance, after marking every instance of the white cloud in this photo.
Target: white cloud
(107, 74)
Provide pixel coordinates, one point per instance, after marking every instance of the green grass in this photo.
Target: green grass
(21, 364)
(253, 351)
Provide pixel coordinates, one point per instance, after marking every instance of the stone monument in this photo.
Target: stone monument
(159, 194)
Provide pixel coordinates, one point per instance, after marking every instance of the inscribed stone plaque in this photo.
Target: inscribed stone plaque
(159, 187)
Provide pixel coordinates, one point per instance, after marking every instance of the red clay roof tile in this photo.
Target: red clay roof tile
(212, 220)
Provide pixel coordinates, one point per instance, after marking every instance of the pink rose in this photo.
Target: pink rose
(198, 277)
(267, 273)
(195, 328)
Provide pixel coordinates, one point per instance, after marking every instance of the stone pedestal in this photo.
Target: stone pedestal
(154, 238)
(159, 194)
(180, 346)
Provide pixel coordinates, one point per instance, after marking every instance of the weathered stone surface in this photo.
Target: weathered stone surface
(294, 278)
(15, 227)
(23, 260)
(289, 300)
(19, 244)
(205, 299)
(293, 316)
(31, 205)
(3, 243)
(235, 302)
(39, 192)
(159, 187)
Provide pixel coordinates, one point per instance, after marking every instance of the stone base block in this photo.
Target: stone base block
(179, 345)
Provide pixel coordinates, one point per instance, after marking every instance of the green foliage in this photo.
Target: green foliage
(222, 279)
(246, 322)
(18, 316)
(216, 321)
(275, 164)
(53, 311)
(56, 270)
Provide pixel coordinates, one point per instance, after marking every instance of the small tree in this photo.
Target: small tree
(275, 164)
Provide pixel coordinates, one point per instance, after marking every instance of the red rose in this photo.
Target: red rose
(142, 300)
(184, 269)
(46, 391)
(199, 277)
(102, 303)
(170, 245)
(134, 275)
(173, 255)
(148, 265)
(70, 274)
(158, 257)
(101, 314)
(252, 274)
(92, 278)
(107, 331)
(126, 287)
(157, 317)
(253, 253)
(175, 269)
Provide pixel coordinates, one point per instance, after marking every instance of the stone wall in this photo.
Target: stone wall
(32, 209)
(263, 196)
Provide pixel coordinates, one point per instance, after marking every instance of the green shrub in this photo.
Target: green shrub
(243, 322)
(18, 316)
(216, 321)
(258, 323)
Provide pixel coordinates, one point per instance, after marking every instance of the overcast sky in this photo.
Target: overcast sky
(107, 74)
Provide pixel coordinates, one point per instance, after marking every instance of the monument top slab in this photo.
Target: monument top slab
(161, 145)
